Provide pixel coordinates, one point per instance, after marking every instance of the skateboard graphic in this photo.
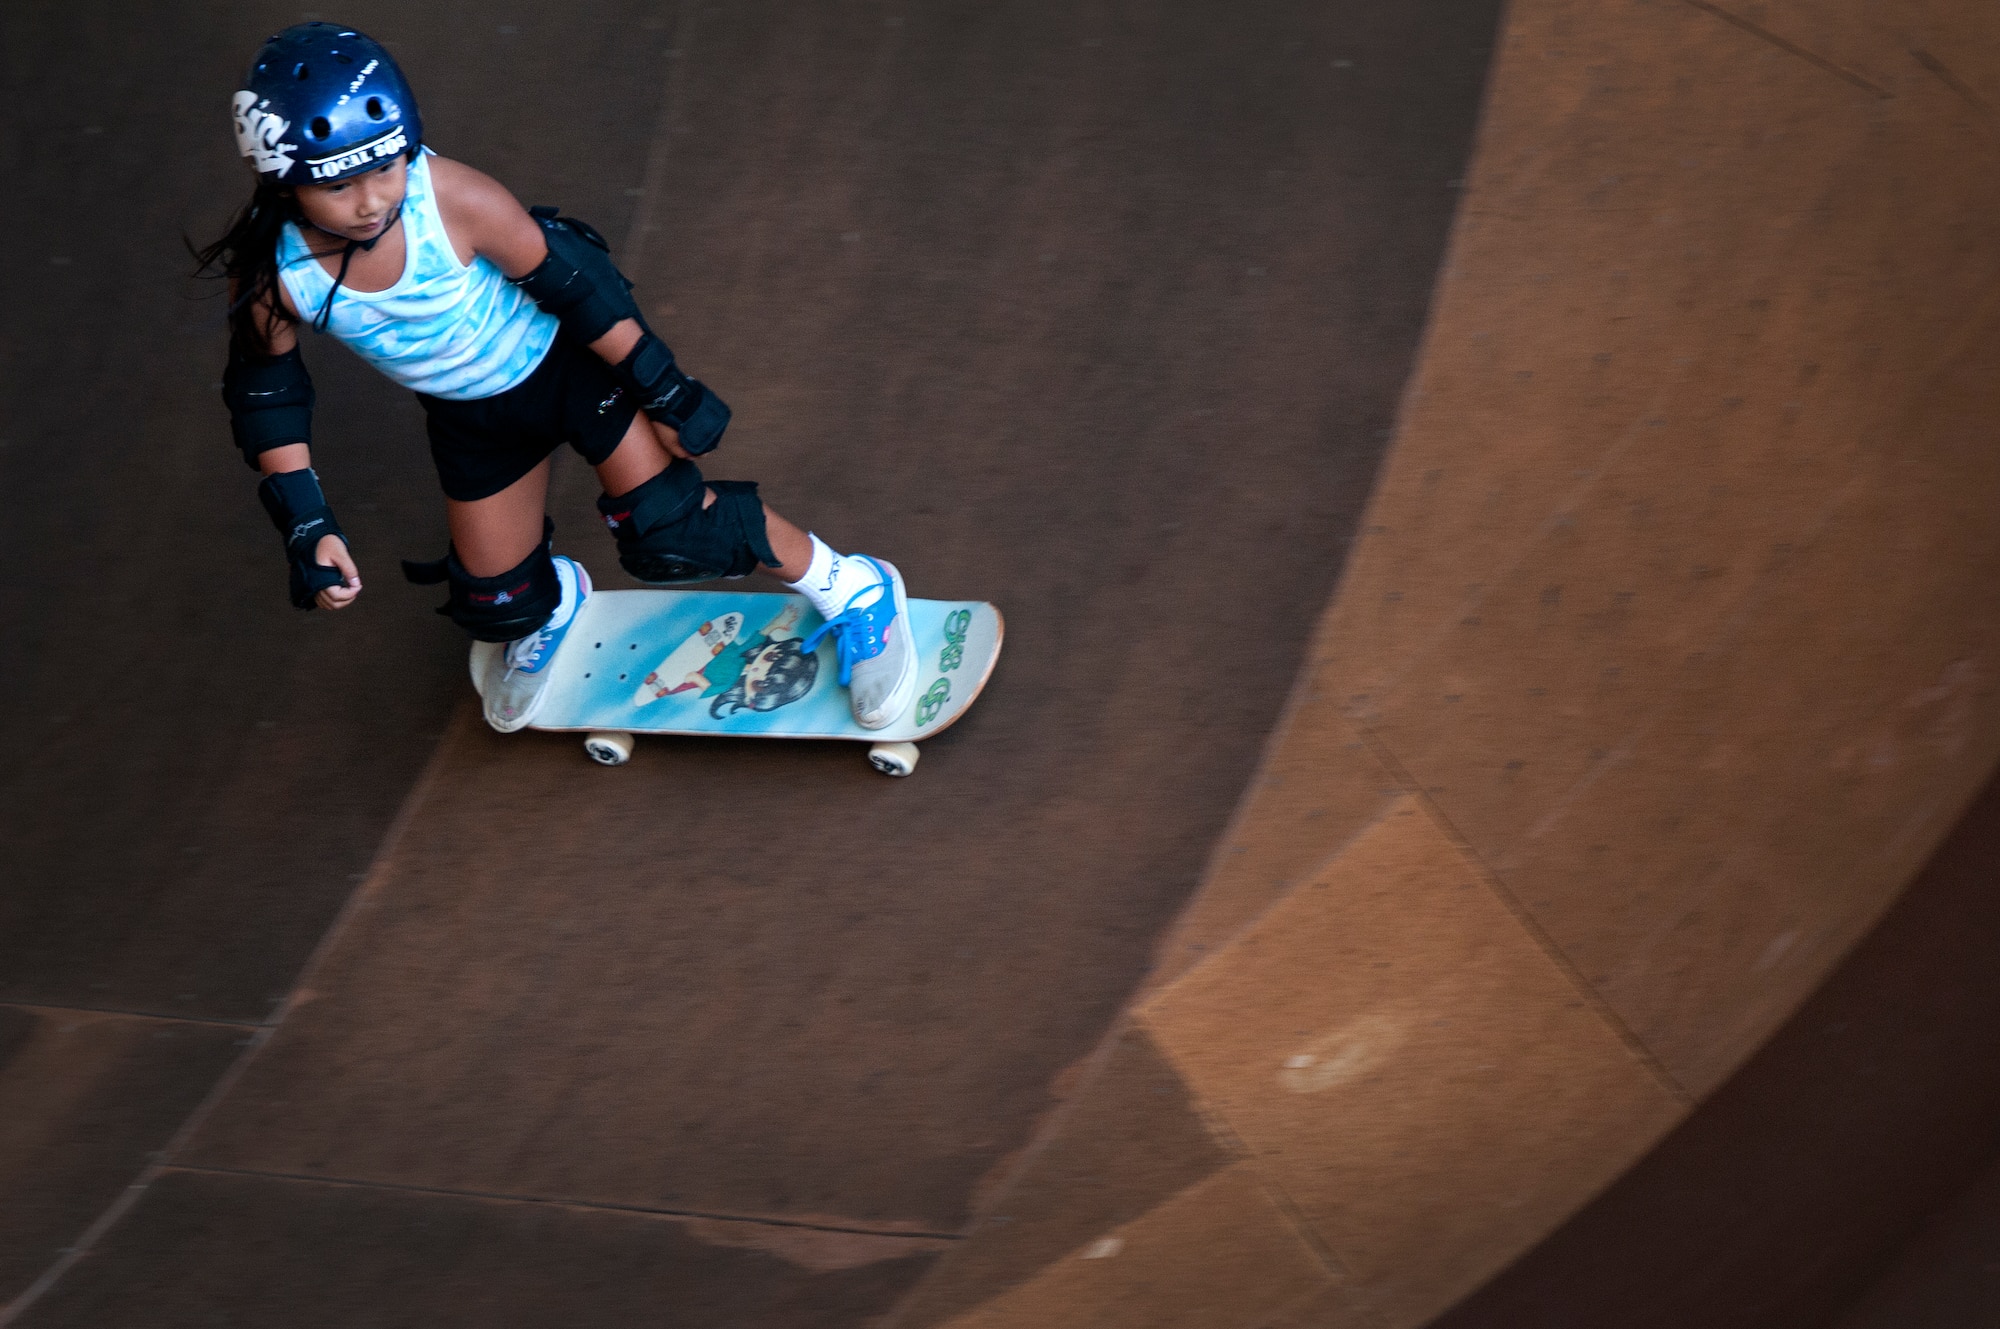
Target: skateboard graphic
(729, 664)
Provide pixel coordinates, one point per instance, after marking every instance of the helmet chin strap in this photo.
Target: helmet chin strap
(347, 253)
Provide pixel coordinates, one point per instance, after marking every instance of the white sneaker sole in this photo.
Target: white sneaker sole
(905, 692)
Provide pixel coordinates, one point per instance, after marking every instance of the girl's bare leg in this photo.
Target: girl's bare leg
(792, 545)
(641, 455)
(496, 533)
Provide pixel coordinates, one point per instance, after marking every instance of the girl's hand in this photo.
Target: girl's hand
(332, 552)
(670, 439)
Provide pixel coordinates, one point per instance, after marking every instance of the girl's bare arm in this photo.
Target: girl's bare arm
(483, 218)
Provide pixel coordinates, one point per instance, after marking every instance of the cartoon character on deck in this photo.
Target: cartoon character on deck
(761, 673)
(681, 671)
(765, 672)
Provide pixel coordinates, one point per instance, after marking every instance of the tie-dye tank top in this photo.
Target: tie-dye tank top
(460, 331)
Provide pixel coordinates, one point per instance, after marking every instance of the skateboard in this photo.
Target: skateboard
(729, 664)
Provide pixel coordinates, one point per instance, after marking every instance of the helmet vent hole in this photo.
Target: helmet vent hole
(320, 128)
(374, 108)
(343, 57)
(301, 71)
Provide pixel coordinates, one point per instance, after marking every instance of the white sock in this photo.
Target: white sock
(832, 580)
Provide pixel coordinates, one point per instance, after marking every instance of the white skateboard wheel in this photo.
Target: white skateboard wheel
(893, 758)
(609, 747)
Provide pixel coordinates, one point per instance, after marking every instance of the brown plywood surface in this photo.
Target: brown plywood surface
(1409, 1066)
(1130, 1141)
(1672, 596)
(192, 781)
(1317, 787)
(1670, 610)
(85, 1099)
(1784, 1193)
(211, 1249)
(955, 306)
(1895, 49)
(1336, 1307)
(527, 1015)
(1674, 601)
(1221, 1255)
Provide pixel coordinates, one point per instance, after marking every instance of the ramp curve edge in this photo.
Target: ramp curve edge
(1664, 663)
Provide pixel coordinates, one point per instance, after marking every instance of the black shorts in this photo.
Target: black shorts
(480, 447)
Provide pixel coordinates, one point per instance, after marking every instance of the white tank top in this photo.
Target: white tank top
(460, 331)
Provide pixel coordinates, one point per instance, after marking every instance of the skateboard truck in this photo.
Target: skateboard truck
(613, 747)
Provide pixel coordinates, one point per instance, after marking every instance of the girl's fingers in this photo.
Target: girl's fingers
(332, 551)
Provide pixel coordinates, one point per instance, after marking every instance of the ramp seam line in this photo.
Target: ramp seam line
(1792, 48)
(557, 1201)
(1944, 75)
(215, 1021)
(162, 1159)
(1529, 923)
(1272, 1185)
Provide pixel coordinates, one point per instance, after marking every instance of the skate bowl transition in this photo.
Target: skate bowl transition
(1663, 664)
(1603, 936)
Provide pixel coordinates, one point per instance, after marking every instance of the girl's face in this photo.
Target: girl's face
(759, 669)
(360, 207)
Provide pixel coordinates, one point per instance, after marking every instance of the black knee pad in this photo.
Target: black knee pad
(503, 608)
(665, 535)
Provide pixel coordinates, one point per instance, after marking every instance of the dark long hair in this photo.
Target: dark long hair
(791, 677)
(247, 257)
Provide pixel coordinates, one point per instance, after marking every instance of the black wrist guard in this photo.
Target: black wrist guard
(298, 509)
(578, 282)
(667, 395)
(270, 401)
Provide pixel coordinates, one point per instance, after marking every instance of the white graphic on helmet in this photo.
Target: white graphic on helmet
(258, 132)
(330, 168)
(359, 79)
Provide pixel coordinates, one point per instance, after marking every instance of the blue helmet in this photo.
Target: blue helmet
(321, 103)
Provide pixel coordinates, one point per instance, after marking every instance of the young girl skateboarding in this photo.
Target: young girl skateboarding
(517, 334)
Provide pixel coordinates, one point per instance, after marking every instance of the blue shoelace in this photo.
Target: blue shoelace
(859, 629)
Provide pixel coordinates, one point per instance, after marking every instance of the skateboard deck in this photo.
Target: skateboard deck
(729, 664)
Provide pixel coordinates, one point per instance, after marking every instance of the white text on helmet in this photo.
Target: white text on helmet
(391, 143)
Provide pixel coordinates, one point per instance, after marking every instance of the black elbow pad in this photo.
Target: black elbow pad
(669, 396)
(578, 282)
(270, 401)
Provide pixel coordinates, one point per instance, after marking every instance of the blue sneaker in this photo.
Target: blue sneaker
(520, 670)
(878, 661)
